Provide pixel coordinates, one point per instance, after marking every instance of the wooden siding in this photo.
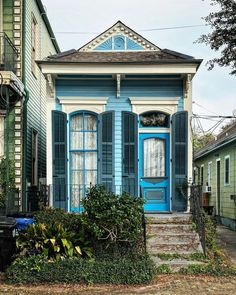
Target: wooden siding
(85, 88)
(228, 205)
(119, 105)
(8, 17)
(129, 88)
(36, 85)
(152, 88)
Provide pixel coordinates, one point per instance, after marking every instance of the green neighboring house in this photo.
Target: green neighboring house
(26, 36)
(215, 170)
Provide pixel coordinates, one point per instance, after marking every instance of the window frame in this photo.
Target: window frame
(202, 174)
(34, 32)
(165, 165)
(34, 157)
(227, 158)
(83, 150)
(209, 174)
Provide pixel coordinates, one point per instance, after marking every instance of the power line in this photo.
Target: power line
(142, 30)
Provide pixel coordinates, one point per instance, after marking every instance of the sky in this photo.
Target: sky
(214, 92)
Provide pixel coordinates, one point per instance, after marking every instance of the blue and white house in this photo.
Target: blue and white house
(118, 114)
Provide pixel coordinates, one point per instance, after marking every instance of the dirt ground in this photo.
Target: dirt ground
(162, 285)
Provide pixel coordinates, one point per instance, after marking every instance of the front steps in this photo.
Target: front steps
(172, 240)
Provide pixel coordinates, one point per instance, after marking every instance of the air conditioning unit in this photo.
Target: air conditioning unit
(208, 189)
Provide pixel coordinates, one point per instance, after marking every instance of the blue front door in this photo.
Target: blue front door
(154, 171)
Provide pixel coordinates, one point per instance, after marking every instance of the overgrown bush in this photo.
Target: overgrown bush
(52, 240)
(36, 269)
(51, 216)
(3, 179)
(113, 219)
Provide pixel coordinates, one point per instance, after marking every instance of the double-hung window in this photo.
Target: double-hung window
(210, 174)
(227, 170)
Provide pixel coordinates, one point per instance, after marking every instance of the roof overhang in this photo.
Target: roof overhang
(159, 67)
(214, 148)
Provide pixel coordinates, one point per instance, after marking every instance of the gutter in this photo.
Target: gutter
(215, 148)
(24, 207)
(47, 23)
(173, 61)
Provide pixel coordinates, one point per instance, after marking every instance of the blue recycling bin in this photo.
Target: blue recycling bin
(22, 223)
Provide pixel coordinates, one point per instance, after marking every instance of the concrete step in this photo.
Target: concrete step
(175, 238)
(168, 228)
(168, 218)
(173, 248)
(175, 264)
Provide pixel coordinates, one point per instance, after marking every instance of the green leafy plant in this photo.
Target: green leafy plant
(3, 179)
(112, 218)
(36, 269)
(54, 241)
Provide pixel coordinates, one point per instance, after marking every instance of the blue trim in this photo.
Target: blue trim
(83, 151)
(155, 183)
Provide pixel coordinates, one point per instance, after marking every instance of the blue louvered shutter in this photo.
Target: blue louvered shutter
(179, 161)
(59, 152)
(130, 153)
(106, 150)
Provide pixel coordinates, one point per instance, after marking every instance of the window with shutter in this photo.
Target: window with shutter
(179, 161)
(107, 149)
(130, 153)
(59, 153)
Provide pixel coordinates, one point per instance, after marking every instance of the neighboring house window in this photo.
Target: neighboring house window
(202, 175)
(210, 174)
(227, 170)
(33, 44)
(34, 157)
(83, 154)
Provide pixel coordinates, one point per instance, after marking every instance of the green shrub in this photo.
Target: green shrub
(54, 241)
(36, 269)
(211, 268)
(51, 216)
(113, 219)
(3, 179)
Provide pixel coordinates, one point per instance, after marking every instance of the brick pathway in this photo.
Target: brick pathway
(163, 285)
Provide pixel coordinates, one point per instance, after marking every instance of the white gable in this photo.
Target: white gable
(119, 38)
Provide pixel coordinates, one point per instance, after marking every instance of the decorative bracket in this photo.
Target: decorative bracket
(50, 84)
(187, 86)
(118, 78)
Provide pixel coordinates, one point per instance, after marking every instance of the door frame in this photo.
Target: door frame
(161, 135)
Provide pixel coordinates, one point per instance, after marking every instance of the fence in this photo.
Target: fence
(197, 211)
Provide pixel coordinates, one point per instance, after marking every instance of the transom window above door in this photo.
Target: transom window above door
(154, 119)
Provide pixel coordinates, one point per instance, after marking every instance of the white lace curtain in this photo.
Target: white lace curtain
(83, 155)
(154, 157)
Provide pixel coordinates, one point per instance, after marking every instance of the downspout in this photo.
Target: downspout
(24, 205)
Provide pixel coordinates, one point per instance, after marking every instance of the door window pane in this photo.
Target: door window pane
(154, 157)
